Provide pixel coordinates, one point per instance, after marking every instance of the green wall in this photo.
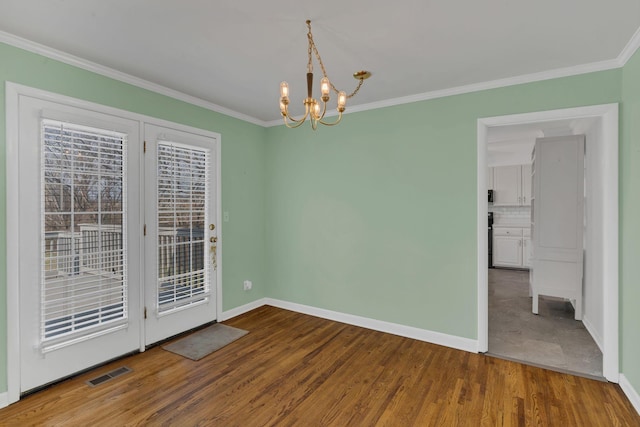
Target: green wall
(377, 217)
(630, 221)
(243, 152)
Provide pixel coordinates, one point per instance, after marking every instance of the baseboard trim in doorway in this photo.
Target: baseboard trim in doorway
(592, 331)
(630, 392)
(4, 400)
(432, 337)
(550, 368)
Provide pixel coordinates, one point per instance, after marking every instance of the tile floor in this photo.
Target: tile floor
(552, 339)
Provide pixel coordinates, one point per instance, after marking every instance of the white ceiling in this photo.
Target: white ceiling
(236, 53)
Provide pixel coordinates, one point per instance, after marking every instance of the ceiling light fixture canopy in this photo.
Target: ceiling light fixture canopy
(312, 108)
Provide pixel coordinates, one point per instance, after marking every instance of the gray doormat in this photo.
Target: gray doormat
(205, 341)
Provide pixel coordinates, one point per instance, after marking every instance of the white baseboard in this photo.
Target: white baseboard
(452, 341)
(631, 392)
(226, 315)
(594, 334)
(4, 400)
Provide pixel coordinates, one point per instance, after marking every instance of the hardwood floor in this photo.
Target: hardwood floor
(298, 370)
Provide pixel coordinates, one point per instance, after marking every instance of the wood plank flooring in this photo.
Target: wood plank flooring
(298, 370)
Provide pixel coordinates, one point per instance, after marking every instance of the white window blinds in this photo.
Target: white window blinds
(84, 245)
(183, 194)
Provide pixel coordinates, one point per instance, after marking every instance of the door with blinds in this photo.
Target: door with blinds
(181, 243)
(79, 239)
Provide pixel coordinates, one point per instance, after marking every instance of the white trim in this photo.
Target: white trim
(483, 242)
(592, 331)
(4, 400)
(13, 92)
(13, 239)
(630, 48)
(630, 392)
(76, 61)
(608, 114)
(218, 224)
(452, 341)
(234, 312)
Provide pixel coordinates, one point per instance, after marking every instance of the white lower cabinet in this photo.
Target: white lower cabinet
(527, 248)
(511, 247)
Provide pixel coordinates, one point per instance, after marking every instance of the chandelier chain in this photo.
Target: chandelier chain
(312, 45)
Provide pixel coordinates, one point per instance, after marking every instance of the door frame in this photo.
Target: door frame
(13, 91)
(607, 166)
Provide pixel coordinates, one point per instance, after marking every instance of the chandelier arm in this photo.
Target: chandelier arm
(298, 122)
(324, 110)
(334, 123)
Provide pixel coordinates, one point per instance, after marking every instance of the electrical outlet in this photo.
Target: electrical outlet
(247, 285)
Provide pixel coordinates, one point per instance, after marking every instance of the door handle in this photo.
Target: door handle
(213, 239)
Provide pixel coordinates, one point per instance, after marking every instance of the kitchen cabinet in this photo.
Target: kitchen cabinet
(512, 185)
(511, 248)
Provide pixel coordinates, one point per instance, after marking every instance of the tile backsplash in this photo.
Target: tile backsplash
(511, 214)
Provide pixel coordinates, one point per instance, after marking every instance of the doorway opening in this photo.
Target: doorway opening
(600, 124)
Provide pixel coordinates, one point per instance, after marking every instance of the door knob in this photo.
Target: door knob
(213, 239)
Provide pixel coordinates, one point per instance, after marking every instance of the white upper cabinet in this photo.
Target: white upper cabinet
(512, 185)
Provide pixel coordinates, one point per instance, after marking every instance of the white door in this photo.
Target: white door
(79, 239)
(181, 231)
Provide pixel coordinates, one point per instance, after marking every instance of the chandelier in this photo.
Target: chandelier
(312, 108)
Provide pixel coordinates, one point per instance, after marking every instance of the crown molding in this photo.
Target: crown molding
(76, 61)
(629, 49)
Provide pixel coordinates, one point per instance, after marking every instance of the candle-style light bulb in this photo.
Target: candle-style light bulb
(284, 90)
(325, 87)
(342, 101)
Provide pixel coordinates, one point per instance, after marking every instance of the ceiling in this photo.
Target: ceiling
(235, 53)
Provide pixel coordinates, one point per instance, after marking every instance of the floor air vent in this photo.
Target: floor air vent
(108, 376)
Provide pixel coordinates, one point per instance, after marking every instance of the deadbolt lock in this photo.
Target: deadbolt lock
(212, 227)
